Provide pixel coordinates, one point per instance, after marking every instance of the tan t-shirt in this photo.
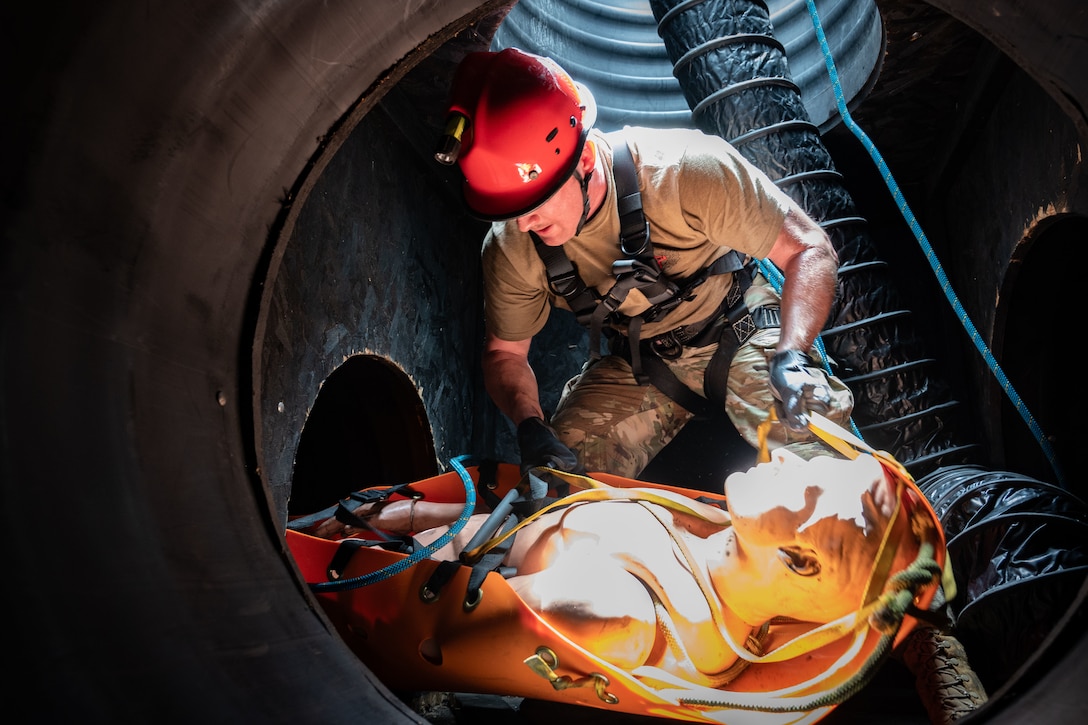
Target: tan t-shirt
(701, 198)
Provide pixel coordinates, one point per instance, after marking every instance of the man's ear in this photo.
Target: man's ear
(588, 160)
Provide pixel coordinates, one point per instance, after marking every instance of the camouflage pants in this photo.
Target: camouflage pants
(617, 426)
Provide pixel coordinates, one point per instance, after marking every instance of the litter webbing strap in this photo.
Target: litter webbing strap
(420, 554)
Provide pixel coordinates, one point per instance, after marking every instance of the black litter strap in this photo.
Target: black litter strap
(486, 482)
(347, 548)
(344, 515)
(439, 578)
(489, 562)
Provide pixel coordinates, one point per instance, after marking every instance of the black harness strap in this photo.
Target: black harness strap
(665, 380)
(640, 270)
(609, 304)
(634, 229)
(565, 280)
(740, 325)
(347, 548)
(730, 328)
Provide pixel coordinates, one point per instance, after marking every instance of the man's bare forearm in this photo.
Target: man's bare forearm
(512, 385)
(807, 297)
(810, 265)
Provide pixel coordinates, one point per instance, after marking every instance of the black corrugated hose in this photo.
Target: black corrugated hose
(1019, 550)
(1016, 545)
(735, 77)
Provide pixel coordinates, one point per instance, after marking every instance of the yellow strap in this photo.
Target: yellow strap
(595, 490)
(848, 444)
(764, 455)
(842, 440)
(882, 564)
(835, 436)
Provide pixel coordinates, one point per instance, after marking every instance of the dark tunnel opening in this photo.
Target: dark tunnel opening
(1043, 278)
(368, 427)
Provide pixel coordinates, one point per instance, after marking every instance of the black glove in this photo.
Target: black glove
(540, 446)
(798, 387)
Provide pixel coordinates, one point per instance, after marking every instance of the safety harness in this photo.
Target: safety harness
(639, 268)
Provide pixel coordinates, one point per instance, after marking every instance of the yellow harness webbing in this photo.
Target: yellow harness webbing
(792, 681)
(594, 490)
(875, 597)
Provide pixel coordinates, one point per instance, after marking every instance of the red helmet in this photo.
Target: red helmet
(522, 122)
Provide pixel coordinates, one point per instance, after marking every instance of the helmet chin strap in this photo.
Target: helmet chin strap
(584, 182)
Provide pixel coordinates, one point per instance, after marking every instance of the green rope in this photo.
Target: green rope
(901, 590)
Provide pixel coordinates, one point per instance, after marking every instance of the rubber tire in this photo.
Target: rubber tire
(155, 147)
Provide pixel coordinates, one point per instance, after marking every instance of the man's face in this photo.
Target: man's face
(556, 220)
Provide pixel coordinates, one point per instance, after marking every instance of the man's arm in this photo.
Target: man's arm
(511, 383)
(804, 254)
(510, 380)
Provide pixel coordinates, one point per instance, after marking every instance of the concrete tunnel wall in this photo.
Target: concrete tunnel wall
(382, 261)
(159, 148)
(995, 207)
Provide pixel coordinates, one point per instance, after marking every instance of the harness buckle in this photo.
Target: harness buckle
(563, 284)
(667, 346)
(755, 320)
(636, 243)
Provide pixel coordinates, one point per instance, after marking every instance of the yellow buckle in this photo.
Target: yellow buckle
(544, 662)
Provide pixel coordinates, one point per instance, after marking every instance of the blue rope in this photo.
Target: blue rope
(416, 556)
(908, 215)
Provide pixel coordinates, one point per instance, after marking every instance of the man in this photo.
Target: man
(688, 321)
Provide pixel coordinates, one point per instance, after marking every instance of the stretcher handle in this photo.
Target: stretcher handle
(494, 520)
